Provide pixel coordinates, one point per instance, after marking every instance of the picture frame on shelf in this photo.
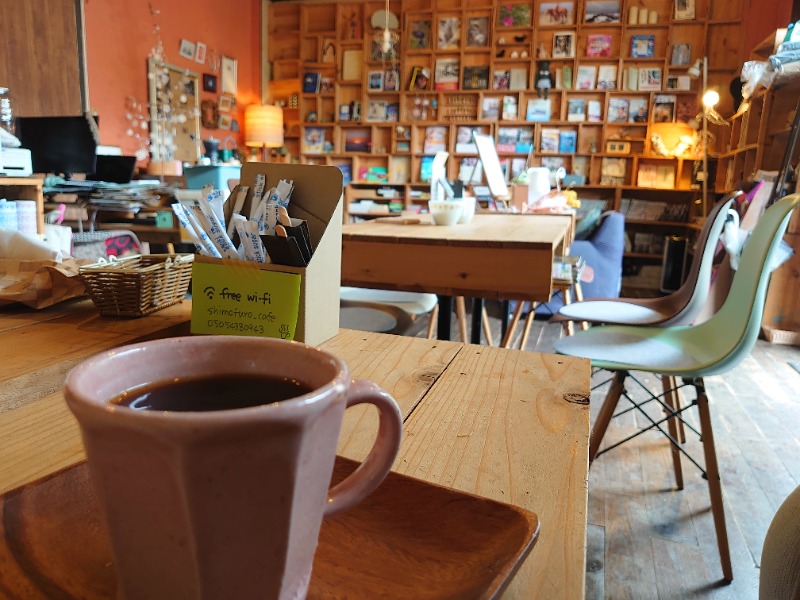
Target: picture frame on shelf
(638, 110)
(649, 79)
(357, 140)
(602, 11)
(375, 81)
(684, 10)
(477, 32)
(313, 140)
(186, 49)
(556, 13)
(449, 33)
(513, 15)
(681, 55)
(391, 80)
(564, 44)
(419, 35)
(643, 46)
(376, 111)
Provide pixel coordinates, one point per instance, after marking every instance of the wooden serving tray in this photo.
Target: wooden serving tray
(409, 539)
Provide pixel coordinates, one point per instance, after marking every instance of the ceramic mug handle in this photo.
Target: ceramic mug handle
(369, 475)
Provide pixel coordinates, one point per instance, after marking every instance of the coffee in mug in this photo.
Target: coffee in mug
(212, 458)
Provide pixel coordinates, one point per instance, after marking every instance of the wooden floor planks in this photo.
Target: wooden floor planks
(647, 540)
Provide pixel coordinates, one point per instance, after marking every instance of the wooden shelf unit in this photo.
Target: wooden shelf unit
(392, 152)
(25, 188)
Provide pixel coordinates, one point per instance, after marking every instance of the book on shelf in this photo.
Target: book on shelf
(618, 110)
(391, 80)
(661, 176)
(510, 108)
(538, 110)
(344, 112)
(465, 144)
(524, 140)
(326, 85)
(311, 83)
(638, 110)
(607, 77)
(632, 79)
(643, 46)
(594, 111)
(564, 78)
(400, 171)
(475, 78)
(501, 79)
(664, 108)
(507, 139)
(393, 111)
(576, 109)
(585, 78)
(518, 79)
(435, 139)
(613, 170)
(470, 170)
(313, 141)
(649, 79)
(549, 140)
(490, 109)
(681, 54)
(425, 169)
(580, 166)
(567, 141)
(446, 74)
(598, 45)
(517, 167)
(685, 109)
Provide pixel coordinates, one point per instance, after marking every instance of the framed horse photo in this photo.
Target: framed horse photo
(556, 13)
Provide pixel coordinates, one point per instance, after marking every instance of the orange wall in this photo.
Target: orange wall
(119, 36)
(762, 18)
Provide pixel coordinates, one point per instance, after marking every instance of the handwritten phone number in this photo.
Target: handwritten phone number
(241, 327)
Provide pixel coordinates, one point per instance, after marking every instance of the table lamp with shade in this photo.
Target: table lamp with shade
(263, 127)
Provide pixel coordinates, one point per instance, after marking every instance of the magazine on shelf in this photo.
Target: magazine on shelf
(464, 142)
(446, 74)
(598, 45)
(538, 110)
(507, 139)
(585, 78)
(524, 140)
(510, 108)
(638, 111)
(607, 77)
(567, 141)
(618, 110)
(576, 109)
(549, 140)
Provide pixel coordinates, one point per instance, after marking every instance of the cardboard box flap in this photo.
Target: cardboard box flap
(317, 191)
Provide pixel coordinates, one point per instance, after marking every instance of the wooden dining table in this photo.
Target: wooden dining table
(502, 424)
(496, 255)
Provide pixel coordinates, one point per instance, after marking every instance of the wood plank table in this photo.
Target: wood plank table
(512, 426)
(504, 256)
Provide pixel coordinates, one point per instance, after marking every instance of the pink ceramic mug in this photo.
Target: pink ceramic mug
(226, 503)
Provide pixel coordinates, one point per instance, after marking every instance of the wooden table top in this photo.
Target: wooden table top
(512, 426)
(490, 230)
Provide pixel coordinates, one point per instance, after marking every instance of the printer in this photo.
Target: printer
(14, 161)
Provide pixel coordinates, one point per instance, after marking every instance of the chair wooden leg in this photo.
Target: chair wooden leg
(606, 412)
(714, 484)
(579, 298)
(569, 328)
(433, 322)
(678, 405)
(461, 315)
(527, 331)
(487, 328)
(506, 343)
(669, 398)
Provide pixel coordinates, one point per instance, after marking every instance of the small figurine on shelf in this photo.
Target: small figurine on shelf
(657, 144)
(544, 80)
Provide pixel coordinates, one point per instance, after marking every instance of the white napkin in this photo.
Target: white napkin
(18, 246)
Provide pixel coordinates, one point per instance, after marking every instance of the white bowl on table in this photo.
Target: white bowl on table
(445, 212)
(468, 210)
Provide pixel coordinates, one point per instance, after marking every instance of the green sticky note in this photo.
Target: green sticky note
(243, 300)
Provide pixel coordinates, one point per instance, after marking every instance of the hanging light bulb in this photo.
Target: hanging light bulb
(387, 41)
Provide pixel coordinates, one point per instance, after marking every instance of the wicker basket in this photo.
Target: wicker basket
(139, 285)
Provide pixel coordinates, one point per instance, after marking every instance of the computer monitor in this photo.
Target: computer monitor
(113, 169)
(60, 145)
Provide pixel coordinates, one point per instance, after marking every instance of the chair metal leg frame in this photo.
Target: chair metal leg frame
(711, 472)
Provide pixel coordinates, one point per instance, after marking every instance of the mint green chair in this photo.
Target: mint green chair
(690, 352)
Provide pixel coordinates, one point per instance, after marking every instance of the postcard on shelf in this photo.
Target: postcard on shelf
(464, 142)
(681, 54)
(477, 32)
(594, 111)
(446, 74)
(435, 139)
(567, 141)
(470, 170)
(618, 110)
(649, 80)
(344, 112)
(556, 13)
(311, 83)
(643, 46)
(475, 78)
(375, 81)
(419, 80)
(500, 80)
(449, 33)
(664, 108)
(585, 79)
(607, 77)
(391, 80)
(351, 64)
(598, 45)
(518, 79)
(632, 79)
(602, 11)
(613, 170)
(490, 109)
(514, 15)
(419, 35)
(686, 110)
(393, 111)
(507, 139)
(357, 140)
(637, 112)
(684, 10)
(313, 140)
(576, 109)
(549, 141)
(524, 140)
(376, 110)
(510, 111)
(538, 109)
(564, 44)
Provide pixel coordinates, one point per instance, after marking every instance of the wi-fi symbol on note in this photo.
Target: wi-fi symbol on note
(209, 292)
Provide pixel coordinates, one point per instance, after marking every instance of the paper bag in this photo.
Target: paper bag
(39, 283)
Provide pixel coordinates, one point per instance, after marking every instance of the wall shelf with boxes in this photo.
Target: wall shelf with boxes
(619, 70)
